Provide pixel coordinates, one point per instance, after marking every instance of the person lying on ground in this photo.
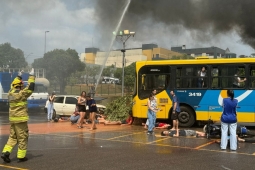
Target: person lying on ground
(62, 119)
(145, 125)
(127, 121)
(176, 133)
(162, 125)
(158, 125)
(247, 140)
(194, 133)
(123, 122)
(100, 118)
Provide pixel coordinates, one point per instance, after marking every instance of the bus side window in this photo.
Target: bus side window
(252, 76)
(178, 81)
(215, 78)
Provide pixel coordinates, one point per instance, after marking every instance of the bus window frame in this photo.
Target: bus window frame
(195, 68)
(235, 66)
(250, 76)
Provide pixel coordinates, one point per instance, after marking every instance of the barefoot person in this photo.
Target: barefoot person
(176, 110)
(92, 109)
(82, 109)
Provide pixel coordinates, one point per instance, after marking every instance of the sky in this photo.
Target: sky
(80, 24)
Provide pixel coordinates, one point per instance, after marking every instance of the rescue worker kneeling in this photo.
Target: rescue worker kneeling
(18, 117)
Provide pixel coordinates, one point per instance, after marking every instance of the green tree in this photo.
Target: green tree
(118, 73)
(75, 78)
(60, 65)
(9, 56)
(129, 76)
(108, 71)
(92, 71)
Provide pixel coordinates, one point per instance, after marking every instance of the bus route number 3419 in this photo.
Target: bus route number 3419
(195, 94)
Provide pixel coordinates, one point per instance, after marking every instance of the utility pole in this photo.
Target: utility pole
(124, 36)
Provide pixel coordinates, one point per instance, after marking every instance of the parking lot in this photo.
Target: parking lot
(63, 146)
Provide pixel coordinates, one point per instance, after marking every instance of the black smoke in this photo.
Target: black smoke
(215, 16)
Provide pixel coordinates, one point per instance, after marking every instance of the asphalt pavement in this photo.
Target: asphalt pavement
(62, 146)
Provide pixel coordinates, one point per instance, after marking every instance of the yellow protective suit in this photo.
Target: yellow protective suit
(18, 116)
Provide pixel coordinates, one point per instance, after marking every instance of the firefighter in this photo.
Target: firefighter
(18, 117)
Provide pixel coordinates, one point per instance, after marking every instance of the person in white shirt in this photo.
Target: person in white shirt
(154, 91)
(201, 77)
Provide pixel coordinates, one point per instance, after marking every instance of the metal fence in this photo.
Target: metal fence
(101, 90)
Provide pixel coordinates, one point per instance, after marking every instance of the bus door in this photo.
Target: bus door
(153, 77)
(162, 106)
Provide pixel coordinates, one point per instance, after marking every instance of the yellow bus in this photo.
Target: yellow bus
(198, 103)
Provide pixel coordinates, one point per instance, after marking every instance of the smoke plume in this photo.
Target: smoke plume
(157, 18)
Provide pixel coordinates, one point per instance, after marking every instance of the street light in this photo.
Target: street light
(28, 56)
(124, 36)
(45, 42)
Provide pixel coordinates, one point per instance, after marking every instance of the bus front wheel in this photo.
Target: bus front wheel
(186, 117)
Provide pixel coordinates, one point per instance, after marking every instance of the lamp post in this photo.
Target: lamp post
(124, 36)
(45, 42)
(28, 56)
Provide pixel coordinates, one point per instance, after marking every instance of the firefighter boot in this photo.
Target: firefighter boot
(5, 157)
(23, 159)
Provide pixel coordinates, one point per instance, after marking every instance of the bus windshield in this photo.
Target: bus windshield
(150, 78)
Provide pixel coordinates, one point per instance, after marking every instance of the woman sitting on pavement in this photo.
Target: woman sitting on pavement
(75, 116)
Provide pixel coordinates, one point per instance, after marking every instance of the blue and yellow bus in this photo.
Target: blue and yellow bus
(197, 103)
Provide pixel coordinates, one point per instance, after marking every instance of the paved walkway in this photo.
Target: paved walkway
(63, 146)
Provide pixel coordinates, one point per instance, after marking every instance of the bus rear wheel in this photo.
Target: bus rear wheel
(186, 117)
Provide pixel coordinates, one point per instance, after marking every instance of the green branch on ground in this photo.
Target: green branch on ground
(118, 109)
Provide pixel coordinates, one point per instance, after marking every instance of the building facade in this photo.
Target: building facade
(147, 52)
(211, 52)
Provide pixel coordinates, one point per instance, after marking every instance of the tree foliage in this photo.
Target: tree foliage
(60, 65)
(75, 78)
(129, 76)
(91, 72)
(108, 71)
(11, 57)
(118, 109)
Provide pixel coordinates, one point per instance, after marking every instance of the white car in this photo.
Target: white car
(64, 105)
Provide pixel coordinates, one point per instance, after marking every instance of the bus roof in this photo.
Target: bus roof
(200, 61)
